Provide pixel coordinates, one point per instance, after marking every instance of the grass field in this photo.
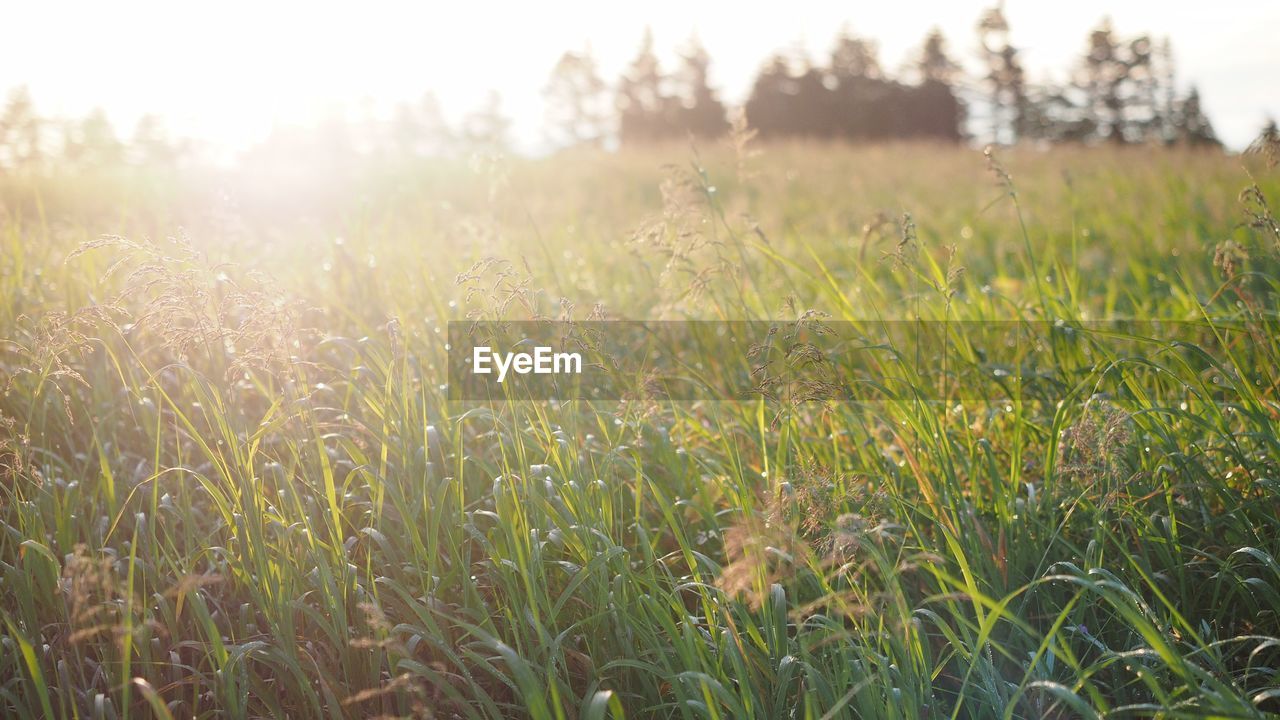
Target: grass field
(232, 484)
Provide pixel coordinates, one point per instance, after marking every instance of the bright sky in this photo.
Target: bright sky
(229, 71)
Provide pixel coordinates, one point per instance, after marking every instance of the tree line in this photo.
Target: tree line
(30, 139)
(1121, 89)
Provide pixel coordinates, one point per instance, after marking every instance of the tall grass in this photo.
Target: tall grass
(231, 483)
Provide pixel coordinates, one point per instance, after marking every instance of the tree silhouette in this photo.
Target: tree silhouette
(933, 63)
(1005, 79)
(654, 107)
(769, 108)
(419, 129)
(1051, 115)
(151, 144)
(641, 104)
(698, 111)
(865, 105)
(577, 104)
(1117, 83)
(95, 142)
(852, 99)
(20, 130)
(935, 110)
(854, 57)
(1165, 73)
(487, 129)
(1192, 126)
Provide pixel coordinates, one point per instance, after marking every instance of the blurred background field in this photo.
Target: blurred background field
(1119, 217)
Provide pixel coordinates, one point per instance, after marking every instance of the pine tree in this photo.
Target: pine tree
(151, 145)
(854, 57)
(1193, 126)
(768, 109)
(20, 130)
(936, 111)
(1005, 80)
(576, 101)
(641, 102)
(700, 112)
(1115, 78)
(419, 128)
(98, 141)
(487, 129)
(933, 64)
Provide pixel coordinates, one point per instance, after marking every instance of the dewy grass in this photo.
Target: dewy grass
(232, 483)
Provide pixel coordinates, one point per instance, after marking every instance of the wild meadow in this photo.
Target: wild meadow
(232, 483)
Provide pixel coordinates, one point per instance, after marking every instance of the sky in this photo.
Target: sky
(229, 72)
